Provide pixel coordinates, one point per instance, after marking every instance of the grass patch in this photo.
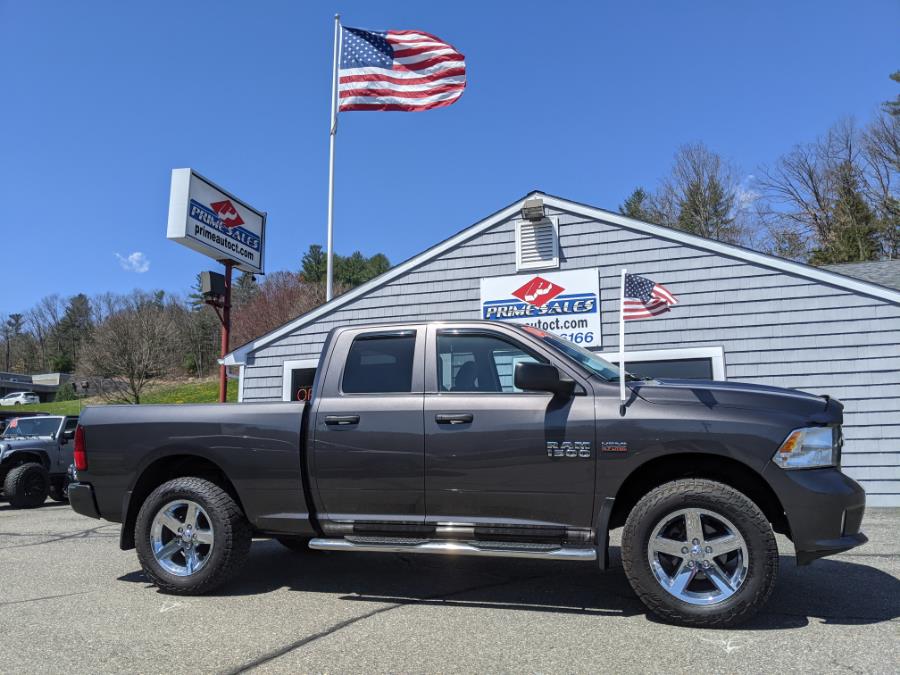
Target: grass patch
(203, 391)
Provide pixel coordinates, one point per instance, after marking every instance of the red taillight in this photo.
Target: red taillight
(80, 452)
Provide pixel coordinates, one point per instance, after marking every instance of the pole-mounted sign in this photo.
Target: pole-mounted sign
(206, 218)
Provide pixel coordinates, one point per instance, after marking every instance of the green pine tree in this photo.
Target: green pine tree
(893, 107)
(855, 233)
(314, 265)
(638, 205)
(705, 209)
(244, 289)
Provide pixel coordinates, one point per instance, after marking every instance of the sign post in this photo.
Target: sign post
(212, 221)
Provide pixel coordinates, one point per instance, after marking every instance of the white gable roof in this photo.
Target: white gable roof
(239, 355)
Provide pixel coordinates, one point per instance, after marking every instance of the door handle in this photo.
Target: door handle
(341, 420)
(456, 418)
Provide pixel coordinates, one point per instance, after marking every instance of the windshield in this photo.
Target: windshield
(31, 426)
(585, 358)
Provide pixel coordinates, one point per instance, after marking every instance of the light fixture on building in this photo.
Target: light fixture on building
(533, 209)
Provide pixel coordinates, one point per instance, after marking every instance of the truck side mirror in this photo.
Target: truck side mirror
(67, 436)
(542, 377)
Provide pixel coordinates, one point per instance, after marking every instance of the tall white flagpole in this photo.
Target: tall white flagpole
(329, 284)
(622, 344)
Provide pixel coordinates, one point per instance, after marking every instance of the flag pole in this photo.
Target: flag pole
(329, 282)
(622, 344)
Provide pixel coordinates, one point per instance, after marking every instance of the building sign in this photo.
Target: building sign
(204, 217)
(565, 303)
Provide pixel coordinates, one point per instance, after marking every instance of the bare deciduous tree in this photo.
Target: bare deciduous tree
(133, 346)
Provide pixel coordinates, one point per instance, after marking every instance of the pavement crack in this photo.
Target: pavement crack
(286, 649)
(46, 597)
(81, 534)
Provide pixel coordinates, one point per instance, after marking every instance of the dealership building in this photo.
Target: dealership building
(551, 262)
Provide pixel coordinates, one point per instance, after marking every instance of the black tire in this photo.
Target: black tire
(296, 544)
(708, 496)
(27, 486)
(59, 489)
(232, 536)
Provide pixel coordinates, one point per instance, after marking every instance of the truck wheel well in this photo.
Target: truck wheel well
(165, 469)
(20, 458)
(696, 465)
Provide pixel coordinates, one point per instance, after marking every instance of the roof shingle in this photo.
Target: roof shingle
(882, 272)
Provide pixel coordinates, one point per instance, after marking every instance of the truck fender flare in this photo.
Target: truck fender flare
(17, 457)
(130, 508)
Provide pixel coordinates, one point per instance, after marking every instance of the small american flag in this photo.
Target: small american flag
(398, 70)
(644, 298)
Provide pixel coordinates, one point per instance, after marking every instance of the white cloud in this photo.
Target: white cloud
(134, 262)
(746, 194)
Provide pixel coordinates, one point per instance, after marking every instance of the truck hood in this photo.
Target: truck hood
(708, 393)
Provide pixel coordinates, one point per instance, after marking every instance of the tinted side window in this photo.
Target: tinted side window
(378, 365)
(478, 363)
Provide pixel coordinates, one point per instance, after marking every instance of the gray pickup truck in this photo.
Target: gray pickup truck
(35, 454)
(484, 439)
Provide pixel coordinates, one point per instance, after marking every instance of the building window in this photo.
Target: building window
(297, 379)
(690, 363)
(537, 244)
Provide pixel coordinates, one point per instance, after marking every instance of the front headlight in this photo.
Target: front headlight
(809, 448)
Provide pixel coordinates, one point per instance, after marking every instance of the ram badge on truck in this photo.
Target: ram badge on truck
(484, 439)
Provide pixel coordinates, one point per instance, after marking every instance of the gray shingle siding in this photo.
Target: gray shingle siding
(775, 327)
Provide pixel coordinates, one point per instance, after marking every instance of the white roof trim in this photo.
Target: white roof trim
(239, 355)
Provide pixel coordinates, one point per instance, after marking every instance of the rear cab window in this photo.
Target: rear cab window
(380, 364)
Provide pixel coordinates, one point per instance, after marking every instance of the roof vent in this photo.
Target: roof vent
(537, 244)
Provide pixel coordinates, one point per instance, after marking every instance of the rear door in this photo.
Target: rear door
(368, 448)
(496, 455)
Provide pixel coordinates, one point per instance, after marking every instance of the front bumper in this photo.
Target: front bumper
(824, 509)
(81, 499)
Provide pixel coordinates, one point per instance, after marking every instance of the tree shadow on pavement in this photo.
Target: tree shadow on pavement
(833, 591)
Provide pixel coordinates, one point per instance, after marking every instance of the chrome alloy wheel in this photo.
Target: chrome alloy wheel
(181, 537)
(698, 556)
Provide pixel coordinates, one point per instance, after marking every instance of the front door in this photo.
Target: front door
(368, 454)
(491, 450)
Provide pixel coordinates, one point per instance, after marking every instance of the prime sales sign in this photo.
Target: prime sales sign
(565, 303)
(206, 218)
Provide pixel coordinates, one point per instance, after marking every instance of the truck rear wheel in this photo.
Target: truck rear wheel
(699, 553)
(27, 486)
(191, 536)
(59, 489)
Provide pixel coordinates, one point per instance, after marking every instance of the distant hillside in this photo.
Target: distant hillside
(194, 391)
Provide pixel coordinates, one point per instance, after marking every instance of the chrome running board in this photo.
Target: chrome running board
(494, 549)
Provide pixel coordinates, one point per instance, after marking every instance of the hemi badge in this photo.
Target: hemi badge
(614, 446)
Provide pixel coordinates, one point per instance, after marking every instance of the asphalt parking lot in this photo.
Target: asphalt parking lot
(72, 601)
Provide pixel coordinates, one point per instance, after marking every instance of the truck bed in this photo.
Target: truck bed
(255, 446)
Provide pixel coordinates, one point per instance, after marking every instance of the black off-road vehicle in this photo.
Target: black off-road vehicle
(35, 454)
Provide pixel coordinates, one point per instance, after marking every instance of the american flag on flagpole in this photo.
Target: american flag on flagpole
(405, 70)
(644, 298)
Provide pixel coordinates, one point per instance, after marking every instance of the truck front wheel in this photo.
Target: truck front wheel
(191, 536)
(699, 553)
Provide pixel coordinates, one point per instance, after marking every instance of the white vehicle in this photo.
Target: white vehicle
(19, 398)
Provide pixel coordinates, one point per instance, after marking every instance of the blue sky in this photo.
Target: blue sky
(100, 100)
